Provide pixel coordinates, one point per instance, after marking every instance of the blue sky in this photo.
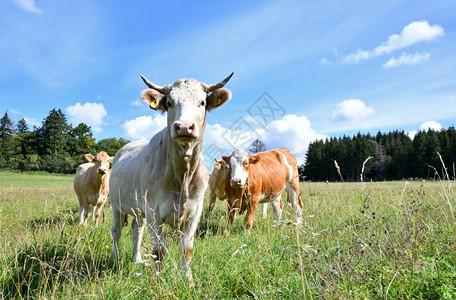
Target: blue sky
(303, 69)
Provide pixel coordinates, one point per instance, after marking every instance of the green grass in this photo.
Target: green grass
(375, 240)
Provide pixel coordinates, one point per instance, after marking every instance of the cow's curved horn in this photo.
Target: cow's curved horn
(162, 89)
(213, 87)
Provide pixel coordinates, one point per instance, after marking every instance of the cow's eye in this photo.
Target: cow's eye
(168, 103)
(203, 103)
(245, 164)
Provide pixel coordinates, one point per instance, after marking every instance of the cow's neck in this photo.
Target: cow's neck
(184, 162)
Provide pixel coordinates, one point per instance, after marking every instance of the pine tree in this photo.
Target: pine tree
(53, 135)
(6, 137)
(257, 146)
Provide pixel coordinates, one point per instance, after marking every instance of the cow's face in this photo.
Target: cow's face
(221, 168)
(101, 161)
(186, 102)
(239, 162)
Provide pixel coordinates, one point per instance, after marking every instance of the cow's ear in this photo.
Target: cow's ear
(226, 159)
(217, 165)
(217, 98)
(253, 159)
(154, 99)
(110, 159)
(89, 157)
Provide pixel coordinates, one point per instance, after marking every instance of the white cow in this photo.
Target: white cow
(163, 181)
(91, 184)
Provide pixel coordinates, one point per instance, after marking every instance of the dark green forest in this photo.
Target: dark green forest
(392, 156)
(58, 147)
(55, 146)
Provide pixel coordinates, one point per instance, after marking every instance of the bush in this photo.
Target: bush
(62, 163)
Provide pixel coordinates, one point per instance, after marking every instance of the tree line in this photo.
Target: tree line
(55, 146)
(392, 156)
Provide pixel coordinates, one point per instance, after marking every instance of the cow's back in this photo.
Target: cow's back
(269, 174)
(124, 177)
(84, 180)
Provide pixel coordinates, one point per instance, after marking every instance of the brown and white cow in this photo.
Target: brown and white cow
(217, 185)
(163, 181)
(262, 177)
(91, 184)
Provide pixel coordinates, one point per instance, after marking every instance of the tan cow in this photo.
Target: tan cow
(259, 178)
(217, 182)
(91, 185)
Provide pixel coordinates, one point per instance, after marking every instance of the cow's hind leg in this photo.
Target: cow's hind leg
(295, 201)
(277, 209)
(137, 227)
(116, 230)
(264, 213)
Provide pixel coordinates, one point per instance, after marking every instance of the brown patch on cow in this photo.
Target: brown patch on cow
(188, 253)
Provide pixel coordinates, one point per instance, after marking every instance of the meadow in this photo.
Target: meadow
(371, 240)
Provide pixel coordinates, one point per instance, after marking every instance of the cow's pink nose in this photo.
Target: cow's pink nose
(184, 128)
(235, 181)
(102, 170)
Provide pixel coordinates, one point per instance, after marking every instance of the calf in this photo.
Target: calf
(91, 184)
(259, 178)
(217, 182)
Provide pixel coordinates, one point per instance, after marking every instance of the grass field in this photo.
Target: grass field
(374, 240)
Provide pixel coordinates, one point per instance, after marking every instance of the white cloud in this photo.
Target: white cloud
(32, 122)
(411, 34)
(324, 61)
(144, 127)
(351, 110)
(291, 132)
(412, 134)
(425, 126)
(407, 59)
(137, 103)
(14, 112)
(91, 114)
(28, 6)
(436, 126)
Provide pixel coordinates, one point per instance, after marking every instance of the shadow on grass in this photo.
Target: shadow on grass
(38, 270)
(215, 223)
(65, 218)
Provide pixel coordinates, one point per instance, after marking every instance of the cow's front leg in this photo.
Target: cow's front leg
(252, 207)
(231, 212)
(212, 198)
(137, 227)
(97, 211)
(157, 240)
(116, 231)
(84, 211)
(186, 242)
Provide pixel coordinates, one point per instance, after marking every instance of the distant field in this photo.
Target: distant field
(374, 240)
